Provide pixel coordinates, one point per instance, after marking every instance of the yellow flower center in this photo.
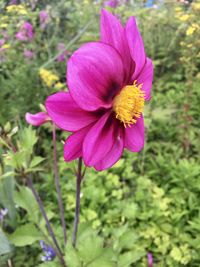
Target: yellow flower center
(129, 104)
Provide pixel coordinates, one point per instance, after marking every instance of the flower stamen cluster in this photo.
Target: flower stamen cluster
(129, 104)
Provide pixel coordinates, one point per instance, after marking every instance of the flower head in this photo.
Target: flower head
(2, 42)
(13, 2)
(63, 52)
(29, 54)
(150, 260)
(111, 3)
(44, 18)
(48, 77)
(26, 32)
(109, 82)
(48, 251)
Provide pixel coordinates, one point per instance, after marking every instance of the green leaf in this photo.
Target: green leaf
(7, 187)
(127, 240)
(5, 247)
(71, 257)
(105, 259)
(90, 249)
(25, 199)
(125, 259)
(35, 161)
(28, 139)
(25, 235)
(50, 264)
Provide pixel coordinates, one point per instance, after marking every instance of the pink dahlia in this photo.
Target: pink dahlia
(26, 32)
(109, 82)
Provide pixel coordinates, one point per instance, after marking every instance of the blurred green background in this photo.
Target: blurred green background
(149, 201)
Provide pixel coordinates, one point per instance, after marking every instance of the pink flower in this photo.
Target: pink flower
(13, 2)
(2, 42)
(29, 54)
(2, 50)
(37, 119)
(150, 260)
(26, 32)
(44, 18)
(108, 81)
(63, 52)
(111, 3)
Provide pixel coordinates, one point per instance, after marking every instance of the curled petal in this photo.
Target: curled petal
(73, 144)
(37, 119)
(146, 78)
(99, 140)
(113, 155)
(94, 75)
(65, 113)
(136, 46)
(134, 136)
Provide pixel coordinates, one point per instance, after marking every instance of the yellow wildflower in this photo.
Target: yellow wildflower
(48, 77)
(3, 25)
(192, 29)
(178, 9)
(5, 46)
(196, 6)
(18, 9)
(184, 17)
(59, 85)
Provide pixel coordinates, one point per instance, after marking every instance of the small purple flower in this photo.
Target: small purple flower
(2, 42)
(48, 251)
(44, 18)
(26, 32)
(3, 213)
(13, 2)
(111, 3)
(29, 54)
(63, 52)
(150, 259)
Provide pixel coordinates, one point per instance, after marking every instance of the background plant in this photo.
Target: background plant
(146, 203)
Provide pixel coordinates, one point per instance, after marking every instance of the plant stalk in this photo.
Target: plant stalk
(57, 184)
(50, 230)
(79, 177)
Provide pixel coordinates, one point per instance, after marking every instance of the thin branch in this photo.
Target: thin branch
(50, 230)
(71, 42)
(79, 178)
(57, 184)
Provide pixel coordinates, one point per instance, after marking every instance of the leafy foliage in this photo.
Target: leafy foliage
(148, 202)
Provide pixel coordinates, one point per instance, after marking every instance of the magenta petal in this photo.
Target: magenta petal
(73, 144)
(134, 136)
(146, 78)
(37, 119)
(99, 140)
(94, 74)
(65, 113)
(113, 33)
(136, 46)
(113, 155)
